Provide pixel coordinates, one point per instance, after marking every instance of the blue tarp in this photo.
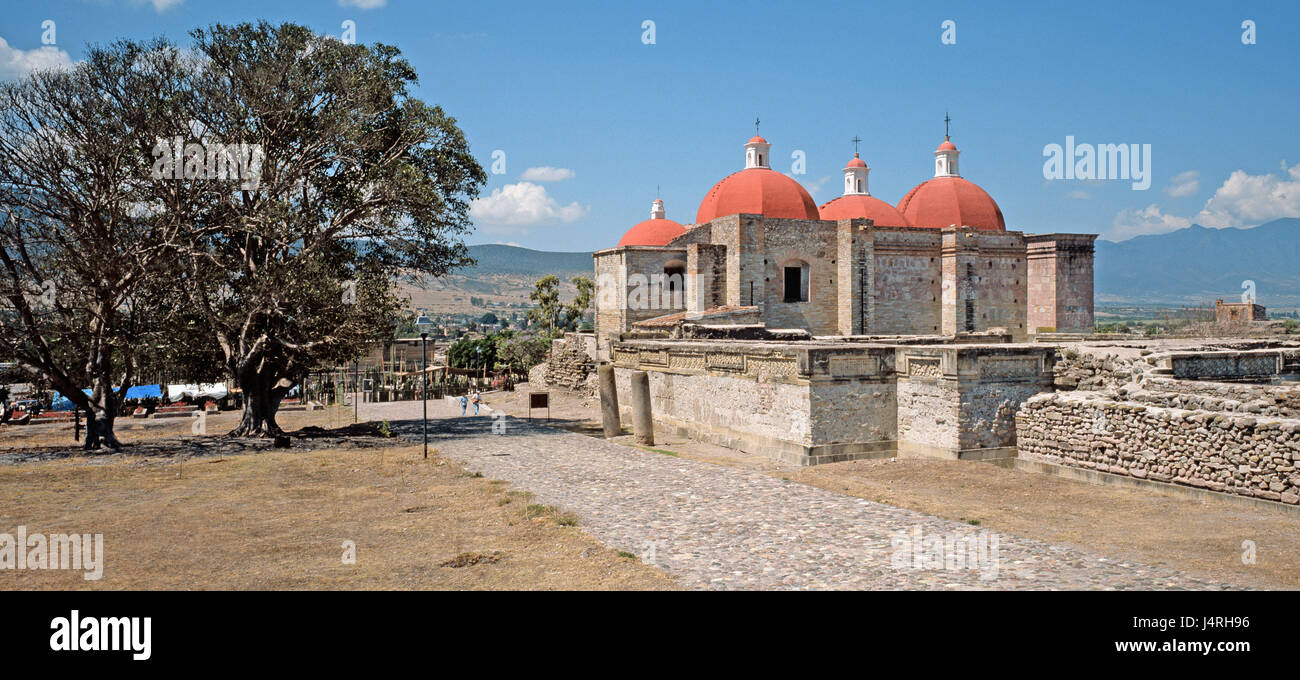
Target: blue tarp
(62, 403)
(144, 392)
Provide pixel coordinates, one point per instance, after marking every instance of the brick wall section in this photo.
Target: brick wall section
(706, 271)
(629, 290)
(1061, 282)
(906, 282)
(1238, 454)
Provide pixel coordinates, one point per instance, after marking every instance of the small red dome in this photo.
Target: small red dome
(859, 205)
(948, 201)
(652, 233)
(947, 146)
(757, 191)
(856, 163)
(756, 140)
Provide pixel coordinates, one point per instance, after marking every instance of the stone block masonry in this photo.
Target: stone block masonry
(819, 402)
(1255, 456)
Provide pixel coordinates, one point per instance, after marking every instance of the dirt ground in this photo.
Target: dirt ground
(1203, 538)
(278, 520)
(135, 430)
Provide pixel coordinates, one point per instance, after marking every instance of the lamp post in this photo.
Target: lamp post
(423, 323)
(478, 350)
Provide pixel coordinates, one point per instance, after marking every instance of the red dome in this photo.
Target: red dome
(757, 191)
(947, 146)
(756, 140)
(948, 201)
(858, 205)
(856, 163)
(652, 233)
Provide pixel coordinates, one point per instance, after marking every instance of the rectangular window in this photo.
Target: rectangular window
(794, 290)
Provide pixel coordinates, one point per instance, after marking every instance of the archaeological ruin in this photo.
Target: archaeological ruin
(858, 329)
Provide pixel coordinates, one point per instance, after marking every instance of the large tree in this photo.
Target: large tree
(83, 232)
(359, 181)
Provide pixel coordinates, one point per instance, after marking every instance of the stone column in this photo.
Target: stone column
(609, 401)
(642, 418)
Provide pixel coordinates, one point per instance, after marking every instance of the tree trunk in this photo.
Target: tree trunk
(260, 405)
(99, 430)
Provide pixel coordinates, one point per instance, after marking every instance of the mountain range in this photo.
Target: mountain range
(1196, 264)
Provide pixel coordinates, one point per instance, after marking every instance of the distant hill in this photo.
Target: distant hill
(501, 281)
(1196, 265)
(503, 259)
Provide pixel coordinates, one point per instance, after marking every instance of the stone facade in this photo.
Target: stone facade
(853, 278)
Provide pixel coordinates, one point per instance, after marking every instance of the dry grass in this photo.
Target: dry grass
(278, 520)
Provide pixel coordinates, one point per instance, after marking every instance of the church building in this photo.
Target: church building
(760, 250)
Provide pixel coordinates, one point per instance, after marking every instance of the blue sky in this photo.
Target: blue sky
(571, 91)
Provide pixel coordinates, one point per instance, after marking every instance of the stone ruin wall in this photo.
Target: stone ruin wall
(571, 366)
(826, 402)
(1168, 416)
(798, 405)
(1255, 456)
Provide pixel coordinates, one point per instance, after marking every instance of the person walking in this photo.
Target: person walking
(477, 398)
(464, 401)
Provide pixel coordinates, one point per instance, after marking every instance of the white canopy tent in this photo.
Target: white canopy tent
(209, 390)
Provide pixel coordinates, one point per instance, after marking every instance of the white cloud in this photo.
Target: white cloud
(1148, 220)
(1079, 195)
(159, 6)
(1244, 200)
(363, 4)
(546, 173)
(1184, 184)
(1247, 200)
(812, 186)
(521, 205)
(15, 63)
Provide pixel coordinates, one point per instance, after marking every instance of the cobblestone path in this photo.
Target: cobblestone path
(716, 527)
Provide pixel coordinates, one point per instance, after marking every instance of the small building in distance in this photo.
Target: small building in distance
(1225, 312)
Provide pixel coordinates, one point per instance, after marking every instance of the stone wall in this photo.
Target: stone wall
(631, 287)
(906, 282)
(570, 366)
(813, 402)
(1268, 400)
(803, 403)
(1245, 455)
(960, 401)
(1227, 364)
(1077, 370)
